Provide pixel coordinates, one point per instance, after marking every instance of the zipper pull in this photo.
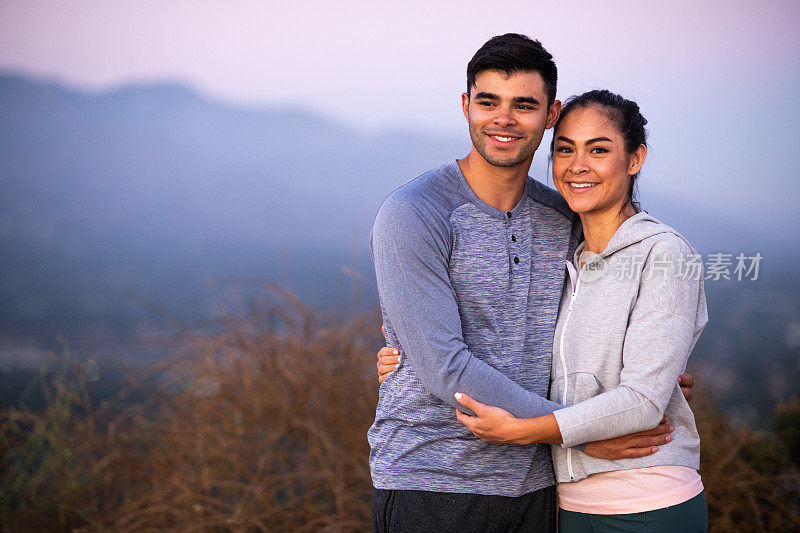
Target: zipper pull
(572, 299)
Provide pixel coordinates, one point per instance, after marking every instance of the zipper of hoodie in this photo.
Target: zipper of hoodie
(564, 365)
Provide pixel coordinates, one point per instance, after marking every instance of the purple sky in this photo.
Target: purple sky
(717, 80)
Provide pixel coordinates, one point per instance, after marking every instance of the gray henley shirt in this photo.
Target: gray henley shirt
(469, 295)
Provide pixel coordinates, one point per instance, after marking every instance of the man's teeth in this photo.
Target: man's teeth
(503, 139)
(582, 185)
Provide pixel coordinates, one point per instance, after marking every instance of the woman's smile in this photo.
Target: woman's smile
(578, 187)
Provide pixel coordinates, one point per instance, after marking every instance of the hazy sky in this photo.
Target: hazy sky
(717, 80)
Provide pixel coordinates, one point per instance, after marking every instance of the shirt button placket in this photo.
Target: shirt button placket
(514, 257)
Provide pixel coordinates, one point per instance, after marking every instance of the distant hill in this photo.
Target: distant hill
(151, 162)
(152, 190)
(161, 160)
(118, 203)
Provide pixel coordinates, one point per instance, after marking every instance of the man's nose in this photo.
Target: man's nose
(504, 117)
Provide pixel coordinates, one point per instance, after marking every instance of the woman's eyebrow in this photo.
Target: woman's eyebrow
(590, 141)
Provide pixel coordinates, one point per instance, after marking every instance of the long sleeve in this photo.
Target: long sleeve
(663, 326)
(410, 247)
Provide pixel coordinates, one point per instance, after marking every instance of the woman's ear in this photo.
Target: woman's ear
(636, 160)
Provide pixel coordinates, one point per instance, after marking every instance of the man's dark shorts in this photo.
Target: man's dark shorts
(414, 511)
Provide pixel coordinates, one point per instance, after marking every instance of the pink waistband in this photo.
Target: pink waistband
(631, 491)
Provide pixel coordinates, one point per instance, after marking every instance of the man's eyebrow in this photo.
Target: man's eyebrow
(483, 95)
(526, 100)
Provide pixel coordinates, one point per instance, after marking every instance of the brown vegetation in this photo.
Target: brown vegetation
(262, 427)
(751, 482)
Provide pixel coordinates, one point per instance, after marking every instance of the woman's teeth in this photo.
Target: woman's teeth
(582, 185)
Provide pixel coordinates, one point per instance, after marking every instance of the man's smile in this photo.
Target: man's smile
(504, 137)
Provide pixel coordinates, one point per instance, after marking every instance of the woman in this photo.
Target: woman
(629, 317)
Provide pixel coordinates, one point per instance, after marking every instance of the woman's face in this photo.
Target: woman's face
(591, 169)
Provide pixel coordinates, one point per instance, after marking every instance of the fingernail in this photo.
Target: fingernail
(396, 366)
(395, 352)
(654, 449)
(668, 438)
(671, 429)
(458, 395)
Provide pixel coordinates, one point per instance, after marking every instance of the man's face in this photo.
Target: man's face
(507, 116)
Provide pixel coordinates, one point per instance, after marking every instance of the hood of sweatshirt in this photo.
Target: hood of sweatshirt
(633, 231)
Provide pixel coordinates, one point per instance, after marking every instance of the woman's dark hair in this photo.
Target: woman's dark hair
(626, 117)
(511, 53)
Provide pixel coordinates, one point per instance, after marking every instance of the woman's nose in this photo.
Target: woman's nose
(579, 165)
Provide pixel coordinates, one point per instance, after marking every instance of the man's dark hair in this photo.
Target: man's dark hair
(511, 53)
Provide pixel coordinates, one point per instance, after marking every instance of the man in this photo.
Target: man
(469, 260)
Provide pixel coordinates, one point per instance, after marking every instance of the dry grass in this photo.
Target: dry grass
(262, 427)
(750, 480)
(259, 428)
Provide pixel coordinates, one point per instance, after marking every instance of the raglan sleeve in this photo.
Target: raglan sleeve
(664, 324)
(410, 249)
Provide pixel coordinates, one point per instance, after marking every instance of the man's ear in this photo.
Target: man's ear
(465, 105)
(552, 114)
(637, 160)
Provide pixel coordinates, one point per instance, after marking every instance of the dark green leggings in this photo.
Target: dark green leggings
(690, 516)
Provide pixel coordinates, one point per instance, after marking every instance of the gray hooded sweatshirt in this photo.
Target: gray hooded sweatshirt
(626, 325)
